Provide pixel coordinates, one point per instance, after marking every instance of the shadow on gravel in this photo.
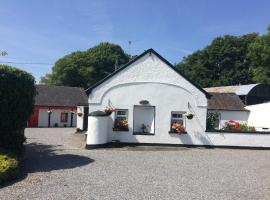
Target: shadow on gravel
(42, 158)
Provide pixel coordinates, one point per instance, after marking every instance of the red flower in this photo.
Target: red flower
(237, 124)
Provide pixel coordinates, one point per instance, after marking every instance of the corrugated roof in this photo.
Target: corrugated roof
(225, 101)
(60, 96)
(237, 89)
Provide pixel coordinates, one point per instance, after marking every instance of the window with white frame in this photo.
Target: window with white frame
(121, 120)
(177, 122)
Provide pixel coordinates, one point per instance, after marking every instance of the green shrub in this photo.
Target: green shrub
(17, 91)
(8, 167)
(212, 117)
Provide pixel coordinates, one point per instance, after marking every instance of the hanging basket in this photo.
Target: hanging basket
(190, 116)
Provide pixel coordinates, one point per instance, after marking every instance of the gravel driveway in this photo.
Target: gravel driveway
(55, 169)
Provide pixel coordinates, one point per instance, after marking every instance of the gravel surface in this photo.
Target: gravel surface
(55, 169)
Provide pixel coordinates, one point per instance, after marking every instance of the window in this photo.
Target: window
(64, 117)
(121, 120)
(144, 120)
(177, 122)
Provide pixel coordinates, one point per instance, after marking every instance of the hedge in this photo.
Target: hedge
(17, 92)
(8, 167)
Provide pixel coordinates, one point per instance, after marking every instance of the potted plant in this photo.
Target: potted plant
(109, 110)
(177, 128)
(189, 115)
(121, 125)
(79, 114)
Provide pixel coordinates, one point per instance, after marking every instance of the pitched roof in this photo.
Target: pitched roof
(237, 89)
(88, 91)
(225, 101)
(60, 96)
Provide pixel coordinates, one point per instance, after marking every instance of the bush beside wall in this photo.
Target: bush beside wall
(8, 166)
(17, 92)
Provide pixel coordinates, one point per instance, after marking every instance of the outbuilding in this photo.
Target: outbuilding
(56, 106)
(228, 106)
(249, 94)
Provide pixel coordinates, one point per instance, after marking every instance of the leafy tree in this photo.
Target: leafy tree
(17, 92)
(84, 68)
(259, 54)
(223, 62)
(3, 53)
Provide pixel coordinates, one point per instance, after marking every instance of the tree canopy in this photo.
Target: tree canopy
(224, 62)
(259, 54)
(84, 68)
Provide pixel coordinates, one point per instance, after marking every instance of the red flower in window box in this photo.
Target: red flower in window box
(178, 128)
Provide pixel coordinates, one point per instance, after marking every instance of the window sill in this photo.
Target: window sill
(120, 130)
(171, 132)
(141, 133)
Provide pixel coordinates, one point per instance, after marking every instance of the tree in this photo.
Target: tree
(84, 68)
(17, 91)
(3, 53)
(223, 62)
(259, 54)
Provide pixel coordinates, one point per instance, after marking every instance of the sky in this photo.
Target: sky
(37, 33)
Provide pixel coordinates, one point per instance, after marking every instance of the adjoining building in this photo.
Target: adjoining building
(249, 94)
(259, 116)
(228, 106)
(56, 106)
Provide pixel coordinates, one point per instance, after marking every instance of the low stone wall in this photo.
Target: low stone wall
(238, 139)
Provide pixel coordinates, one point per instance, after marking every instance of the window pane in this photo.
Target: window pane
(121, 112)
(177, 115)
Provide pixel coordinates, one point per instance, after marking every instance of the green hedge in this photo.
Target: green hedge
(17, 91)
(8, 167)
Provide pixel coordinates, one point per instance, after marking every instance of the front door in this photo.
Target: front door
(33, 121)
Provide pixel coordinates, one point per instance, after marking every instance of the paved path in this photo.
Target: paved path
(55, 169)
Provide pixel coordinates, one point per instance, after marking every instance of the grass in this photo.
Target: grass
(8, 166)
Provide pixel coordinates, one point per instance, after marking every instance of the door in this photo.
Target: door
(33, 121)
(85, 118)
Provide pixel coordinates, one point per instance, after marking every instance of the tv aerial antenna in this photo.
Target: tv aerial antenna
(130, 42)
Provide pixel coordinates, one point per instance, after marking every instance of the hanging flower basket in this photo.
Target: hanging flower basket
(190, 116)
(80, 114)
(109, 111)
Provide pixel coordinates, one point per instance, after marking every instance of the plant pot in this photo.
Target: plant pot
(190, 116)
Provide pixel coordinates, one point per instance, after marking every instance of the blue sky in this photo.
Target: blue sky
(44, 31)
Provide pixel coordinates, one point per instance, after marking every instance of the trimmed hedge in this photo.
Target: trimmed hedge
(17, 92)
(8, 167)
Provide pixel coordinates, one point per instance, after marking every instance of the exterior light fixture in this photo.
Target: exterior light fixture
(144, 102)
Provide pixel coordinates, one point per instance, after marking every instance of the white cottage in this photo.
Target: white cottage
(152, 101)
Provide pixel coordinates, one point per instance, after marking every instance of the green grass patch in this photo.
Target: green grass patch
(8, 166)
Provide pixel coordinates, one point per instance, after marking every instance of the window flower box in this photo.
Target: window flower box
(177, 128)
(121, 125)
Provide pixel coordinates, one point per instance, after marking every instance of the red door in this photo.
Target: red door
(33, 121)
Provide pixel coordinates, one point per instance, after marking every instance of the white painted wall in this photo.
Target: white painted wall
(259, 116)
(225, 116)
(151, 79)
(97, 130)
(80, 109)
(55, 118)
(238, 139)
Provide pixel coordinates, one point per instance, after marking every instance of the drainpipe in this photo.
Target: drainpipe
(49, 117)
(71, 119)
